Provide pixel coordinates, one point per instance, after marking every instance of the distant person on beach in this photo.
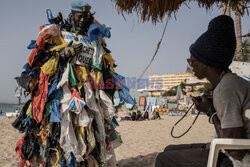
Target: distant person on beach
(138, 115)
(228, 108)
(133, 116)
(156, 115)
(146, 116)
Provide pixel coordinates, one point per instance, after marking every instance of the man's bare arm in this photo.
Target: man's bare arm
(237, 133)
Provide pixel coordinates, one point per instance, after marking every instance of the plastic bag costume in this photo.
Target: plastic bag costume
(69, 119)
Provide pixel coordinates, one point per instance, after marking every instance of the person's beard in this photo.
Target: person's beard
(82, 27)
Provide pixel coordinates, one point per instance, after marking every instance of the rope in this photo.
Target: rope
(156, 51)
(180, 121)
(57, 155)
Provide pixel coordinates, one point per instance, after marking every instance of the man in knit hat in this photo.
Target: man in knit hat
(229, 106)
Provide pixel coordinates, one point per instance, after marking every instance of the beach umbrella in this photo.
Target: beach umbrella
(179, 94)
(157, 9)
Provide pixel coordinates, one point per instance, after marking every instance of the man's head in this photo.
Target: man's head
(81, 15)
(199, 68)
(133, 116)
(215, 48)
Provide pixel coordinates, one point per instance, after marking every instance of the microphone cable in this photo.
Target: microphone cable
(180, 121)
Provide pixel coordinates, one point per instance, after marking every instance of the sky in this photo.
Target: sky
(132, 42)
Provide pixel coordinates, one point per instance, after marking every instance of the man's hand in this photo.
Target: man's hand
(78, 48)
(208, 145)
(72, 50)
(202, 103)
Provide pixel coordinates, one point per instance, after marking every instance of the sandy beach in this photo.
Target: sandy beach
(8, 140)
(142, 140)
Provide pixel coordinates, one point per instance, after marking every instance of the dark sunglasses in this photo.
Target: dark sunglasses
(191, 61)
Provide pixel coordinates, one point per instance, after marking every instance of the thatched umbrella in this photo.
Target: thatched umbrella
(157, 9)
(247, 35)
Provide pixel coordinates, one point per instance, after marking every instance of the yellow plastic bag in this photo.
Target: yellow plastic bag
(58, 41)
(44, 131)
(81, 129)
(81, 75)
(29, 110)
(49, 68)
(108, 58)
(96, 76)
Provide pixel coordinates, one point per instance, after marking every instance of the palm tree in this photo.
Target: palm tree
(238, 12)
(246, 50)
(226, 8)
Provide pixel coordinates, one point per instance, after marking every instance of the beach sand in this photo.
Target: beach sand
(142, 140)
(8, 140)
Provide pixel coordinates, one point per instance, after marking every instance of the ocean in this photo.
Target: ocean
(7, 107)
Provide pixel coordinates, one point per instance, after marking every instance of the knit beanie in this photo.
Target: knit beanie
(217, 45)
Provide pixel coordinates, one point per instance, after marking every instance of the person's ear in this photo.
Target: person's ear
(71, 16)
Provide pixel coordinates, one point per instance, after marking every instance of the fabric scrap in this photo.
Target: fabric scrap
(39, 99)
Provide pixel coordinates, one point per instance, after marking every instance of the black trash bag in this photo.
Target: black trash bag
(40, 58)
(96, 152)
(62, 65)
(96, 131)
(29, 143)
(67, 25)
(111, 134)
(37, 150)
(82, 93)
(24, 80)
(59, 19)
(17, 124)
(55, 136)
(34, 126)
(28, 147)
(109, 83)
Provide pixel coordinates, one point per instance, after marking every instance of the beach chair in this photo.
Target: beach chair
(231, 144)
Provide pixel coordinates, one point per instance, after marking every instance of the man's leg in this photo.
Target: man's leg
(184, 146)
(224, 161)
(193, 157)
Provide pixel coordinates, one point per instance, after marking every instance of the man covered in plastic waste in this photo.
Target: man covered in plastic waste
(71, 80)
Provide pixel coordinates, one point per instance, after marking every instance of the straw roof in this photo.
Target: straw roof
(246, 35)
(157, 9)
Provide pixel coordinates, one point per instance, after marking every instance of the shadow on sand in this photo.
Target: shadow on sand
(139, 161)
